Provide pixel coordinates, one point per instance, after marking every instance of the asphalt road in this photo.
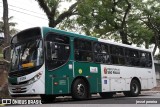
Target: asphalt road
(146, 99)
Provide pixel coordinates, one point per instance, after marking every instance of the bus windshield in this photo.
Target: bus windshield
(26, 55)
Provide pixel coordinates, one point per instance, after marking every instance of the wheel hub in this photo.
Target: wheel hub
(135, 88)
(80, 89)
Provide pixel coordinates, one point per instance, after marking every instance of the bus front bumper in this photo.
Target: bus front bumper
(27, 89)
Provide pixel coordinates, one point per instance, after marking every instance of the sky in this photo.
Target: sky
(27, 13)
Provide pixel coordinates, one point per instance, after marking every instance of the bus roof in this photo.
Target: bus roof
(123, 45)
(69, 33)
(93, 38)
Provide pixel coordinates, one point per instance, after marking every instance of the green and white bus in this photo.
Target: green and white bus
(50, 63)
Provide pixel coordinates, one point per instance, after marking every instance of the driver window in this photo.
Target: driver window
(58, 50)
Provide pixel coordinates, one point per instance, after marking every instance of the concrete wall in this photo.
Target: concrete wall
(157, 75)
(157, 68)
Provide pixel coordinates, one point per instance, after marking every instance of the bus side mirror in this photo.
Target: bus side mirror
(6, 56)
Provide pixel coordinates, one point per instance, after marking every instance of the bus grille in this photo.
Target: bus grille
(19, 90)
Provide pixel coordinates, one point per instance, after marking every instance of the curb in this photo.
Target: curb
(150, 92)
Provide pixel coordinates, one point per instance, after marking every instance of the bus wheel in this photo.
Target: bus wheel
(134, 89)
(106, 94)
(80, 89)
(47, 98)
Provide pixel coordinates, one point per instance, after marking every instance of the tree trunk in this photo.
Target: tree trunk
(154, 49)
(146, 44)
(124, 38)
(6, 41)
(157, 42)
(7, 37)
(6, 25)
(51, 22)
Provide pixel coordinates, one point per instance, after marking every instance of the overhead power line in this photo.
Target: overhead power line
(25, 9)
(26, 13)
(23, 21)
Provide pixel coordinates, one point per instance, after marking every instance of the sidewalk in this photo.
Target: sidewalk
(149, 92)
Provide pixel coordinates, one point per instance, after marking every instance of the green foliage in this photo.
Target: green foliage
(132, 21)
(104, 17)
(115, 19)
(12, 29)
(157, 57)
(150, 16)
(54, 12)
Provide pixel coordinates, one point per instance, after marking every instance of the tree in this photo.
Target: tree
(6, 24)
(50, 7)
(132, 21)
(12, 25)
(138, 31)
(157, 57)
(12, 31)
(105, 17)
(151, 18)
(6, 39)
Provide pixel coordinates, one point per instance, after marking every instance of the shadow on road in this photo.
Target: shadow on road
(120, 99)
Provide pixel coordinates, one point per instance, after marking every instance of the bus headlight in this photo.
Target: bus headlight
(35, 78)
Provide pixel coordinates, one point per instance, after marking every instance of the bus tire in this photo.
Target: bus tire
(47, 98)
(80, 89)
(134, 89)
(106, 94)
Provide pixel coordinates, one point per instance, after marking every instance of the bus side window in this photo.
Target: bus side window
(117, 55)
(145, 59)
(83, 50)
(58, 50)
(149, 63)
(132, 57)
(101, 54)
(114, 59)
(135, 57)
(48, 50)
